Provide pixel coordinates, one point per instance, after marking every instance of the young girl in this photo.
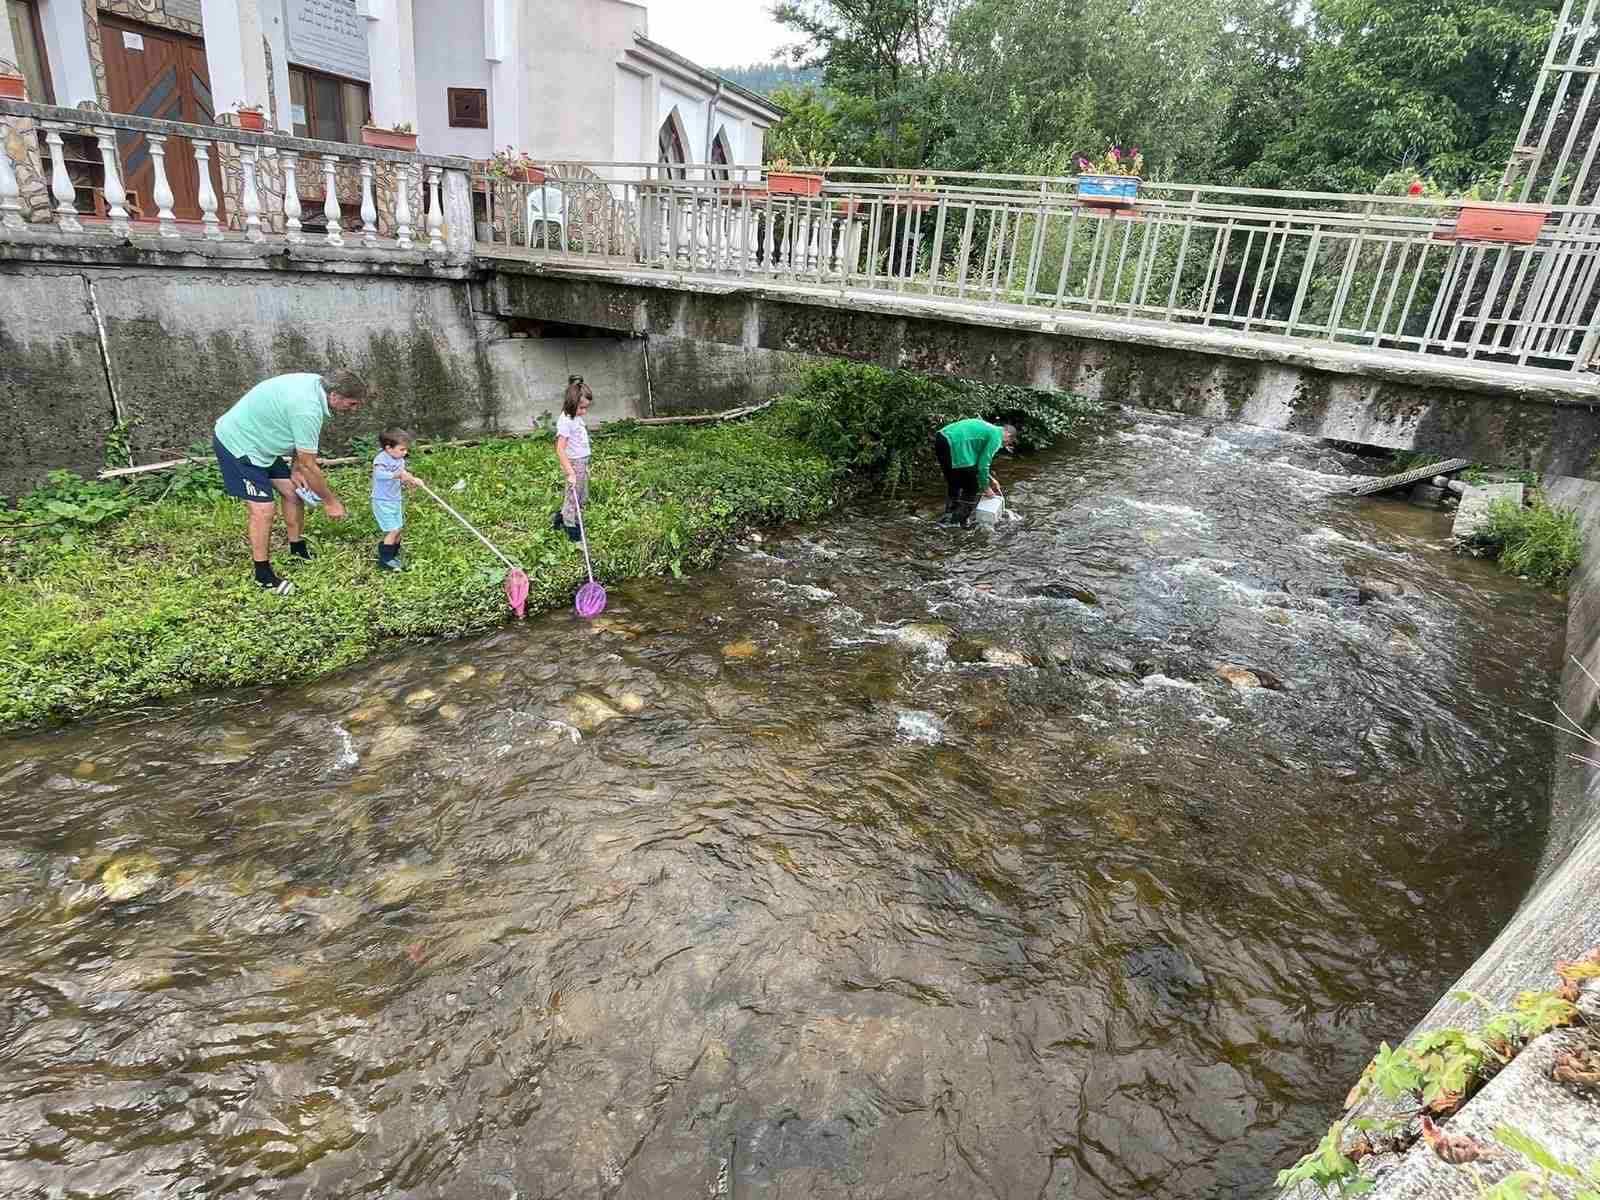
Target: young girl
(572, 449)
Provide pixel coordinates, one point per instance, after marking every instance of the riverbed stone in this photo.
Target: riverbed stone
(1379, 590)
(452, 713)
(391, 741)
(1241, 678)
(630, 702)
(129, 876)
(742, 649)
(461, 674)
(373, 710)
(1339, 593)
(928, 637)
(1114, 664)
(421, 698)
(1064, 589)
(588, 712)
(1000, 656)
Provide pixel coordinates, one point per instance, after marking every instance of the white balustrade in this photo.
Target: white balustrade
(208, 193)
(330, 200)
(61, 183)
(369, 210)
(161, 192)
(250, 195)
(435, 210)
(291, 197)
(10, 193)
(116, 197)
(402, 205)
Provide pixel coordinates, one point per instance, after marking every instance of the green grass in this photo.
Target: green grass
(1539, 541)
(113, 594)
(160, 601)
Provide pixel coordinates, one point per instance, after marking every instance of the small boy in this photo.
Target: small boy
(388, 473)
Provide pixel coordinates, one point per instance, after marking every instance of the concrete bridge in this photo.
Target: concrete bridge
(1390, 321)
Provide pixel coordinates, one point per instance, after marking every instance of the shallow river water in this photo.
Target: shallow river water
(769, 884)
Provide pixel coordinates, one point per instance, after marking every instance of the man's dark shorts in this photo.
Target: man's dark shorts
(243, 480)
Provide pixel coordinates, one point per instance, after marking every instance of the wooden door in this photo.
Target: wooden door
(156, 73)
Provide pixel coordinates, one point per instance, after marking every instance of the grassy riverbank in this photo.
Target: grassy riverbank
(110, 596)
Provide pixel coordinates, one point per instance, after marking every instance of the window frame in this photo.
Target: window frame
(36, 23)
(311, 74)
(676, 167)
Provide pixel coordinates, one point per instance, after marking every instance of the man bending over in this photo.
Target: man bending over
(266, 445)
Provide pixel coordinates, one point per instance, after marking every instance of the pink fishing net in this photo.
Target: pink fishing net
(517, 591)
(590, 601)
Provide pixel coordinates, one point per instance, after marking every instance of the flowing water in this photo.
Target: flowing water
(884, 861)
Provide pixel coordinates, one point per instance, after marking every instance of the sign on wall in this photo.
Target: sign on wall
(328, 35)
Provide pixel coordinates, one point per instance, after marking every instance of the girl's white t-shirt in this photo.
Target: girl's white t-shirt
(576, 433)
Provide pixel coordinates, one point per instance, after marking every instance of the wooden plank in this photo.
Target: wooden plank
(1388, 483)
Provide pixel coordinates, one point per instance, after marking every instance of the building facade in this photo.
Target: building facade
(559, 79)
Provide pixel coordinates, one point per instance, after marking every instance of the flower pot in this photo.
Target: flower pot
(1515, 224)
(794, 183)
(915, 201)
(1108, 189)
(387, 139)
(12, 87)
(522, 175)
(252, 120)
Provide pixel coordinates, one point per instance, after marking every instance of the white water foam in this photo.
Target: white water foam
(347, 753)
(1166, 681)
(573, 733)
(916, 725)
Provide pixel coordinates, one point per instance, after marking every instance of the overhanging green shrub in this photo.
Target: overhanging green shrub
(1539, 541)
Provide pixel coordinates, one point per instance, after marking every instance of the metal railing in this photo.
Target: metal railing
(1384, 272)
(247, 186)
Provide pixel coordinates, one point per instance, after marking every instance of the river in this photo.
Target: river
(769, 884)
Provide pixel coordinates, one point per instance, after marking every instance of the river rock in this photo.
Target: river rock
(452, 713)
(1114, 664)
(1339, 593)
(372, 710)
(85, 769)
(391, 741)
(1063, 589)
(589, 712)
(742, 649)
(1242, 678)
(129, 876)
(929, 637)
(460, 674)
(1378, 590)
(1278, 617)
(421, 698)
(630, 702)
(999, 656)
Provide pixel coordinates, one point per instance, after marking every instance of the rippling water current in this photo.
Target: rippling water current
(768, 884)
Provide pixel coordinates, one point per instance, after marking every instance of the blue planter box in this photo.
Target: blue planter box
(1108, 189)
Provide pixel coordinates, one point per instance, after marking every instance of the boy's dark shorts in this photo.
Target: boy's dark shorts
(243, 480)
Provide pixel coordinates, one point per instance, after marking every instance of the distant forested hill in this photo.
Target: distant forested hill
(763, 77)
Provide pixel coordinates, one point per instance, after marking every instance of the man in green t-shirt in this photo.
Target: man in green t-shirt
(266, 445)
(964, 450)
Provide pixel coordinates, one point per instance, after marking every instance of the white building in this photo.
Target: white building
(559, 79)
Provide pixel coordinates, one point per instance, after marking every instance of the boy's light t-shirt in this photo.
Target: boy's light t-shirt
(276, 418)
(576, 433)
(386, 469)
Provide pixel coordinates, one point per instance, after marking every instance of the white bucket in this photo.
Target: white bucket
(989, 510)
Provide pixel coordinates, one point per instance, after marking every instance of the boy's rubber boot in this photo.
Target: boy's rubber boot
(948, 517)
(966, 514)
(573, 533)
(556, 522)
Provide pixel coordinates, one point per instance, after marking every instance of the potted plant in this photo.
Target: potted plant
(251, 117)
(912, 193)
(401, 137)
(1113, 179)
(12, 84)
(781, 181)
(513, 166)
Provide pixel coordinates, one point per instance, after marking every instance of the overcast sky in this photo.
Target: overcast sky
(727, 34)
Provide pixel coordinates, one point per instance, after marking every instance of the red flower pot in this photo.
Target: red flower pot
(252, 120)
(387, 139)
(1517, 225)
(12, 87)
(794, 183)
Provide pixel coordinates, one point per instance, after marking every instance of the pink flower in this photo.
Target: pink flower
(1115, 157)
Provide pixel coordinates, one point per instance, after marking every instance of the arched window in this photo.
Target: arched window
(721, 155)
(670, 145)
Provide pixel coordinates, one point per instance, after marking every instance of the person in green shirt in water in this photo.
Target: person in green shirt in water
(266, 446)
(964, 450)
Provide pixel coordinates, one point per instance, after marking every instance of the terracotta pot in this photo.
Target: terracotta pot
(1516, 225)
(252, 120)
(12, 87)
(528, 175)
(794, 183)
(387, 139)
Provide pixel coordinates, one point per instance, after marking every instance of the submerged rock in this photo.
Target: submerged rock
(460, 674)
(1114, 664)
(1242, 678)
(421, 698)
(744, 648)
(630, 702)
(929, 637)
(129, 876)
(452, 713)
(372, 710)
(999, 656)
(1339, 593)
(589, 712)
(1063, 589)
(1378, 590)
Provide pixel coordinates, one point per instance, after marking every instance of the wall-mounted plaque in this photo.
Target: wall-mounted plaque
(469, 108)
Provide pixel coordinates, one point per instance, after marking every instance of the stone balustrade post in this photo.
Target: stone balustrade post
(161, 191)
(10, 192)
(250, 195)
(208, 193)
(291, 197)
(402, 205)
(116, 196)
(330, 199)
(435, 210)
(61, 183)
(369, 209)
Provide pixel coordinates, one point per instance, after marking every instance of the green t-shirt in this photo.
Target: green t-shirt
(973, 443)
(275, 418)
